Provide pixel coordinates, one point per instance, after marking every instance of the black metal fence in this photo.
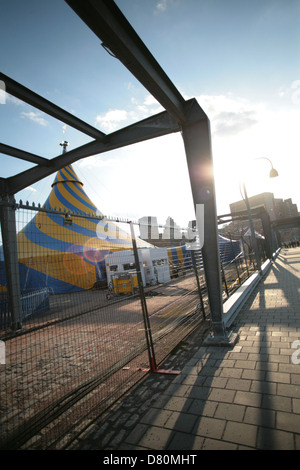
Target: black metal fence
(94, 320)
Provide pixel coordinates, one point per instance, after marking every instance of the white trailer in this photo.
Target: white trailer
(120, 266)
(121, 269)
(156, 265)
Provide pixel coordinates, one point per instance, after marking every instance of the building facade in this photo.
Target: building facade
(276, 208)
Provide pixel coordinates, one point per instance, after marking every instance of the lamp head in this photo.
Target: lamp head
(273, 173)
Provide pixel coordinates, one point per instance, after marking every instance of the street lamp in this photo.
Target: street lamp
(273, 174)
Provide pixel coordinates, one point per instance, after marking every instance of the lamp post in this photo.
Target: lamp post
(273, 174)
(252, 231)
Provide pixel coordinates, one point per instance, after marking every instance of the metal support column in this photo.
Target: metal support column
(10, 250)
(197, 142)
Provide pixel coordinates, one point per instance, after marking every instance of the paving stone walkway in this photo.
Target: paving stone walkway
(243, 397)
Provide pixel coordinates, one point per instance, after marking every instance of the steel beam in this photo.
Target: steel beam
(196, 137)
(32, 98)
(288, 222)
(109, 24)
(29, 157)
(155, 126)
(106, 20)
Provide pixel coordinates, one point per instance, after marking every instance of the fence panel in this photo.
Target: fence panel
(83, 340)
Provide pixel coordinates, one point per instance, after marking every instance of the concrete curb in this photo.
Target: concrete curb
(233, 305)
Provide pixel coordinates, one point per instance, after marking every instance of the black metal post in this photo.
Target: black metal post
(147, 326)
(252, 231)
(224, 279)
(236, 266)
(10, 250)
(198, 283)
(245, 256)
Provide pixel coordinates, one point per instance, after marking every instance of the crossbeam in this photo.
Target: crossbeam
(29, 157)
(155, 126)
(30, 97)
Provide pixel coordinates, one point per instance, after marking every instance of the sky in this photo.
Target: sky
(238, 58)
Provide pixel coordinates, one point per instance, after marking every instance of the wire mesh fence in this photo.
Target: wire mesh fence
(91, 297)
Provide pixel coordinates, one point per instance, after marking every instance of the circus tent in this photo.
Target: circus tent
(180, 256)
(63, 247)
(64, 251)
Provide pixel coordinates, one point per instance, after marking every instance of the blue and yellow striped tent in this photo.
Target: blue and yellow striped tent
(65, 251)
(180, 256)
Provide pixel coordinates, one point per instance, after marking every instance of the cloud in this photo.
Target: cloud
(161, 5)
(14, 100)
(35, 117)
(290, 92)
(116, 118)
(295, 92)
(232, 123)
(150, 101)
(96, 161)
(110, 120)
(229, 115)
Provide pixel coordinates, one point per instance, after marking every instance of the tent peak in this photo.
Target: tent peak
(66, 175)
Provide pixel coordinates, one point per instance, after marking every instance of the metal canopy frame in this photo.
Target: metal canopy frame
(118, 37)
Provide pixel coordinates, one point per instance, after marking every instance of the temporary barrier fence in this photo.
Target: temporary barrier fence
(80, 348)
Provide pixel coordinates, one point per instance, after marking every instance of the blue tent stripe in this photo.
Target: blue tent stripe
(67, 170)
(74, 180)
(174, 255)
(60, 173)
(41, 239)
(59, 220)
(67, 203)
(79, 199)
(36, 279)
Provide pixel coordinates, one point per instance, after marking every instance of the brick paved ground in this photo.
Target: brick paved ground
(244, 397)
(47, 365)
